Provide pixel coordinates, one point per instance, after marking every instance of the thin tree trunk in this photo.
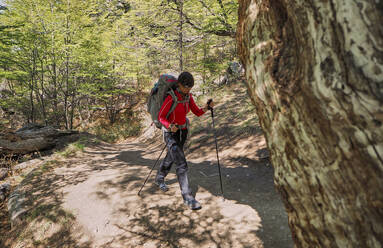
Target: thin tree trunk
(43, 107)
(66, 92)
(80, 113)
(40, 91)
(55, 93)
(67, 87)
(32, 86)
(314, 71)
(54, 79)
(204, 62)
(73, 102)
(181, 6)
(31, 116)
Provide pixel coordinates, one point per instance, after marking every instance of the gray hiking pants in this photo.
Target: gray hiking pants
(175, 143)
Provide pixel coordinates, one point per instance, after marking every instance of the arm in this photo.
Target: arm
(164, 111)
(194, 108)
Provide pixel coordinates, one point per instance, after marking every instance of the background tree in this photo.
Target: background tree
(67, 63)
(54, 53)
(315, 76)
(157, 24)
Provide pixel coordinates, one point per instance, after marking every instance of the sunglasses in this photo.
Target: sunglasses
(187, 86)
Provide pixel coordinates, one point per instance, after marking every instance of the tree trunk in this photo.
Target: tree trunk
(66, 91)
(73, 102)
(181, 42)
(25, 146)
(32, 85)
(30, 139)
(315, 74)
(67, 86)
(54, 78)
(41, 95)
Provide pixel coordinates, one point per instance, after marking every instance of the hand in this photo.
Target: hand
(210, 104)
(173, 128)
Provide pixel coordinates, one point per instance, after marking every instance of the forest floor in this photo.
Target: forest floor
(90, 199)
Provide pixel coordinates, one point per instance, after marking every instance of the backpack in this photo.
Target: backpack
(165, 86)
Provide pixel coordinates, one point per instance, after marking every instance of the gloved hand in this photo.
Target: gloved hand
(209, 105)
(173, 128)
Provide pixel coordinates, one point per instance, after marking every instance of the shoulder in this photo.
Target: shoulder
(168, 98)
(178, 95)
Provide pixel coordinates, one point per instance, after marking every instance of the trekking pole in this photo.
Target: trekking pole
(216, 145)
(151, 170)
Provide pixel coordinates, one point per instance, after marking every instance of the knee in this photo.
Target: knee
(182, 168)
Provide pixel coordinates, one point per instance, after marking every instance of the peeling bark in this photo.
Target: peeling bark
(315, 74)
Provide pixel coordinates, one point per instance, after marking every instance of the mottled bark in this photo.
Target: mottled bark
(315, 74)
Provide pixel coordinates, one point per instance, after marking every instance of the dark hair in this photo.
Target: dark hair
(186, 79)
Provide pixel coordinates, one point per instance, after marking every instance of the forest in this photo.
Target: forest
(63, 63)
(288, 154)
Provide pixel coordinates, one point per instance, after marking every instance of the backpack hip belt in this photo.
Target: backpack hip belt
(186, 125)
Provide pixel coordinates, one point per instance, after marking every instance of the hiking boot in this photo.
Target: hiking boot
(193, 204)
(161, 185)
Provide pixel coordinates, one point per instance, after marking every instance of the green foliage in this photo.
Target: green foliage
(156, 26)
(128, 126)
(60, 59)
(72, 149)
(116, 132)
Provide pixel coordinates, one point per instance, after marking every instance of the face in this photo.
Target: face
(184, 89)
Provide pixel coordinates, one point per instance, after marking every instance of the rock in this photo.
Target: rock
(30, 163)
(30, 126)
(31, 138)
(5, 188)
(3, 173)
(233, 73)
(25, 146)
(17, 206)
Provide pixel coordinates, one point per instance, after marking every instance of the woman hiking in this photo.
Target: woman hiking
(175, 129)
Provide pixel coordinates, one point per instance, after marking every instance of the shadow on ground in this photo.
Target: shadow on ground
(250, 183)
(91, 200)
(41, 221)
(251, 216)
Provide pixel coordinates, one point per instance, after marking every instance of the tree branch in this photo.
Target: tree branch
(228, 32)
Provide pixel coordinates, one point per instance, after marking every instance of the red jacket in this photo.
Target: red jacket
(178, 116)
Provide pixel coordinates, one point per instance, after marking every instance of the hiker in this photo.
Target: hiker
(175, 130)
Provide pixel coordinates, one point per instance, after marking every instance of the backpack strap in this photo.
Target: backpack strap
(176, 102)
(187, 98)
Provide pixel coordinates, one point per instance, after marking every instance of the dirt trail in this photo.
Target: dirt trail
(91, 200)
(104, 201)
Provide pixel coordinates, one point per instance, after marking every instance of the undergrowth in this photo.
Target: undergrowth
(128, 125)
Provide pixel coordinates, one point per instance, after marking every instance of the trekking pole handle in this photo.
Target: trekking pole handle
(208, 104)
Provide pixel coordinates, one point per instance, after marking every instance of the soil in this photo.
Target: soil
(90, 200)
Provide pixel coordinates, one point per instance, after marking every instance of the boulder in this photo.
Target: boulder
(5, 188)
(3, 173)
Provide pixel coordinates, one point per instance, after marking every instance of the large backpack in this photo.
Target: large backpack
(165, 86)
